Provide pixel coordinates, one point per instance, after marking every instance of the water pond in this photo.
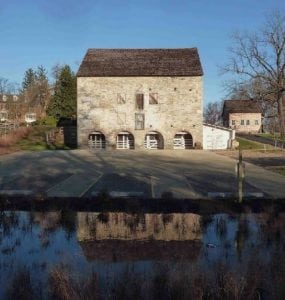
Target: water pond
(119, 255)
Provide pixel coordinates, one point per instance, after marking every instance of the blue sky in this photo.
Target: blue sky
(46, 32)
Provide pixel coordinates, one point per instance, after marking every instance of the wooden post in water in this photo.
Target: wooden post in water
(240, 176)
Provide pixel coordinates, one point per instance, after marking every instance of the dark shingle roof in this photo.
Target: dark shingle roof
(141, 62)
(241, 106)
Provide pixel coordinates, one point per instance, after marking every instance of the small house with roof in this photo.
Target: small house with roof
(242, 115)
(140, 99)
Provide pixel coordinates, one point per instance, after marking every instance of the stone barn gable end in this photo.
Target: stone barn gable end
(140, 98)
(242, 115)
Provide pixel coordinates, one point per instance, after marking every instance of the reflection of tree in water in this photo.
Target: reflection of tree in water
(221, 227)
(8, 222)
(205, 221)
(20, 286)
(272, 228)
(51, 222)
(68, 222)
(242, 234)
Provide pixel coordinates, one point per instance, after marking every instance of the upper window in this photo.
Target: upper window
(233, 122)
(153, 98)
(242, 122)
(247, 122)
(139, 101)
(256, 122)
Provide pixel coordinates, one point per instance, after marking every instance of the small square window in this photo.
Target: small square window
(153, 98)
(256, 122)
(233, 122)
(242, 122)
(247, 122)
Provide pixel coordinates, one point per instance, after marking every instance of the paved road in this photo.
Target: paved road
(263, 140)
(78, 173)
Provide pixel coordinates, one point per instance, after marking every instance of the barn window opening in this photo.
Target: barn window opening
(125, 140)
(247, 122)
(139, 101)
(242, 122)
(233, 122)
(153, 98)
(96, 140)
(153, 140)
(183, 140)
(256, 122)
(139, 121)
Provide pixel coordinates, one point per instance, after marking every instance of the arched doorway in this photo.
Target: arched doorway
(96, 140)
(153, 140)
(125, 140)
(183, 140)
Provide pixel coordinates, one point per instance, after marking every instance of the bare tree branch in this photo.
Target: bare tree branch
(258, 60)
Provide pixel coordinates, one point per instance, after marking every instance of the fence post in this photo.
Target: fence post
(240, 176)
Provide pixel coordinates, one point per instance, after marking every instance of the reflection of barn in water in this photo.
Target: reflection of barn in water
(122, 236)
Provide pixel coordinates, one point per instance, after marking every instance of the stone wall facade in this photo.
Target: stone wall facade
(245, 122)
(109, 105)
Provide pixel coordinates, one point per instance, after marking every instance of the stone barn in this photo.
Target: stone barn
(140, 99)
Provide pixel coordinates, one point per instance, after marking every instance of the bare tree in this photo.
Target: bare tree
(6, 87)
(259, 58)
(213, 113)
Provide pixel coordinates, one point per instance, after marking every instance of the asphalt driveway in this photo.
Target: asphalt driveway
(148, 174)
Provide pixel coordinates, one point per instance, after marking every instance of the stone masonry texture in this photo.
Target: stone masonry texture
(108, 105)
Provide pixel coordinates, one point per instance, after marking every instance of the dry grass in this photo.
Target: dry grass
(64, 286)
(8, 141)
(168, 281)
(257, 279)
(12, 137)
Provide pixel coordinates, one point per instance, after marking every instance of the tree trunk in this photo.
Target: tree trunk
(281, 116)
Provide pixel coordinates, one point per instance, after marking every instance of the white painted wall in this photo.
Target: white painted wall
(217, 137)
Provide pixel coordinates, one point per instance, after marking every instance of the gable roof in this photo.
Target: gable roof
(241, 106)
(140, 62)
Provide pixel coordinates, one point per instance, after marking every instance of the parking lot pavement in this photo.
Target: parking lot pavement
(185, 174)
(122, 185)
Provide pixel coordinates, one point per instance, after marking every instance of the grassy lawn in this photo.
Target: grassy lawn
(36, 140)
(272, 136)
(245, 144)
